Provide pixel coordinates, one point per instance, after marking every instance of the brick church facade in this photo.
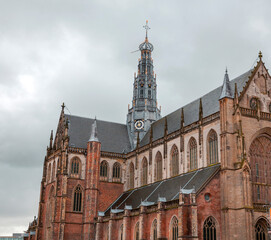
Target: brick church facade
(202, 172)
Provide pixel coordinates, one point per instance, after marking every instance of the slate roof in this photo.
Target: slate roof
(168, 188)
(210, 103)
(113, 136)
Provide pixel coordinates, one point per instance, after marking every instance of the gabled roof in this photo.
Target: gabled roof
(113, 136)
(210, 103)
(168, 188)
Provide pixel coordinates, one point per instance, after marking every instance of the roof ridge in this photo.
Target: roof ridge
(94, 119)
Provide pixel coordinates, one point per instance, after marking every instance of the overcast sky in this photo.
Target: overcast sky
(79, 52)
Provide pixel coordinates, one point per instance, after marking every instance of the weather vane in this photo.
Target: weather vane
(147, 28)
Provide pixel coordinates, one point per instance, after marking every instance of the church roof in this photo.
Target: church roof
(210, 103)
(167, 189)
(113, 136)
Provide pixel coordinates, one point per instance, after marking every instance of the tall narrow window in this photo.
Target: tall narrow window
(136, 231)
(193, 154)
(144, 177)
(54, 171)
(116, 172)
(132, 175)
(257, 170)
(209, 229)
(141, 93)
(174, 161)
(258, 192)
(149, 93)
(261, 230)
(104, 170)
(154, 230)
(49, 170)
(77, 199)
(159, 170)
(121, 232)
(174, 229)
(212, 147)
(75, 166)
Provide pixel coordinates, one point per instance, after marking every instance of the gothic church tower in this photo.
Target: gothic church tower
(144, 109)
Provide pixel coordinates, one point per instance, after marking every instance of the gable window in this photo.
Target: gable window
(104, 170)
(159, 170)
(144, 177)
(116, 172)
(212, 148)
(174, 229)
(209, 229)
(75, 166)
(193, 154)
(77, 199)
(174, 161)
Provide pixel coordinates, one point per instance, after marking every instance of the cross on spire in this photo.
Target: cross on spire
(147, 28)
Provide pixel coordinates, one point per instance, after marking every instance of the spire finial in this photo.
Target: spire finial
(260, 55)
(147, 29)
(94, 134)
(226, 70)
(63, 106)
(226, 88)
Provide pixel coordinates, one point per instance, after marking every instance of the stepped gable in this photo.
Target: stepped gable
(210, 103)
(113, 136)
(168, 188)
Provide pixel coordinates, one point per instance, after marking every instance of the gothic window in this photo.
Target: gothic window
(49, 173)
(149, 93)
(132, 175)
(212, 147)
(136, 233)
(158, 170)
(193, 154)
(121, 232)
(261, 230)
(104, 170)
(75, 166)
(174, 229)
(154, 230)
(141, 93)
(144, 178)
(77, 199)
(209, 229)
(174, 161)
(116, 172)
(54, 171)
(260, 162)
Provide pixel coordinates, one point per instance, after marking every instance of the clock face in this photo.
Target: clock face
(139, 124)
(253, 103)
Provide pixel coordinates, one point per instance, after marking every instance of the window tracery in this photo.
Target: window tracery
(158, 170)
(174, 161)
(75, 166)
(174, 229)
(144, 171)
(212, 147)
(209, 229)
(104, 170)
(193, 154)
(77, 199)
(116, 172)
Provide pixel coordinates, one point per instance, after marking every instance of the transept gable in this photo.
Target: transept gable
(257, 90)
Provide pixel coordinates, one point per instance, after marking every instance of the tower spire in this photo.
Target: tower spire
(147, 29)
(226, 88)
(94, 133)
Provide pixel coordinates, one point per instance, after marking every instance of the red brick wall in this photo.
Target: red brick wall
(108, 193)
(210, 208)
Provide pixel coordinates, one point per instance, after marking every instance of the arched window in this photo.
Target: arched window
(154, 230)
(158, 163)
(131, 175)
(77, 199)
(193, 154)
(54, 171)
(209, 229)
(49, 169)
(212, 147)
(136, 233)
(116, 172)
(104, 170)
(174, 229)
(121, 232)
(174, 161)
(144, 177)
(261, 230)
(75, 166)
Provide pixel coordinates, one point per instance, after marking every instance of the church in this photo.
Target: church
(202, 172)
